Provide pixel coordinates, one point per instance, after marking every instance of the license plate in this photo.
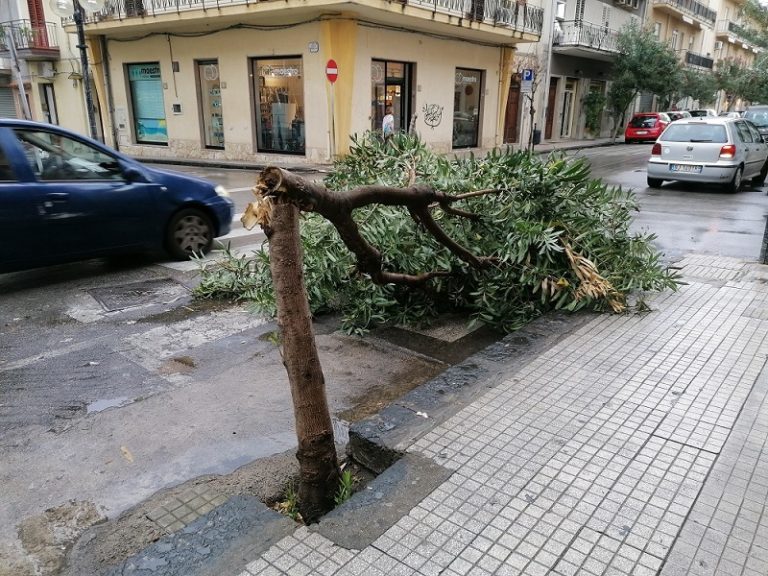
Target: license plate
(642, 132)
(688, 168)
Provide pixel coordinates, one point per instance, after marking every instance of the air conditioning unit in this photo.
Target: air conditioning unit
(718, 45)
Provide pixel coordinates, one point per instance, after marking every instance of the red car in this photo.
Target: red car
(646, 126)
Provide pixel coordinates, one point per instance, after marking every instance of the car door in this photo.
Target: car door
(22, 237)
(760, 145)
(752, 151)
(84, 199)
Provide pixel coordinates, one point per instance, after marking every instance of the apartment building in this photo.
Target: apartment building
(39, 65)
(250, 81)
(583, 44)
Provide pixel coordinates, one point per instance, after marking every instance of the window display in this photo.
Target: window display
(210, 103)
(147, 103)
(280, 109)
(468, 89)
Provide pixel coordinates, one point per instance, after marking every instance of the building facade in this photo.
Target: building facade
(251, 81)
(39, 65)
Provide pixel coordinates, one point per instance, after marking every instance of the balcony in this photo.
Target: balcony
(586, 40)
(502, 15)
(687, 9)
(694, 60)
(31, 42)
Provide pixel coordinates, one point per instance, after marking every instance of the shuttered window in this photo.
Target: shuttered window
(7, 104)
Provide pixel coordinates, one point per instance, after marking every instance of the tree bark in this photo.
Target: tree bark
(319, 467)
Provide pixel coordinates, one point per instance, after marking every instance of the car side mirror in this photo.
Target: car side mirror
(133, 174)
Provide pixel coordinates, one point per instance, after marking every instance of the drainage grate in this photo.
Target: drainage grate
(114, 298)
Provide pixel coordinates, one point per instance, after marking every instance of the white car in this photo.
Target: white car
(717, 150)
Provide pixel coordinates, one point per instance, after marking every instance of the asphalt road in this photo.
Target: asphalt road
(685, 218)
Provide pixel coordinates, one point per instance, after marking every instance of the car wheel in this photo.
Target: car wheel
(627, 141)
(735, 184)
(655, 182)
(759, 180)
(189, 232)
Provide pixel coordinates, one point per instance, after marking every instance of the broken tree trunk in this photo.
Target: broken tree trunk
(280, 197)
(319, 467)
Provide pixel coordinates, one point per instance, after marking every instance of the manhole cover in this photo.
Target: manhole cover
(138, 293)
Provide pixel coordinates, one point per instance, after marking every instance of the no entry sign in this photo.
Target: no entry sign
(331, 71)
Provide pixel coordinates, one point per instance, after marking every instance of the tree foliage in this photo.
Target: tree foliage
(559, 238)
(643, 64)
(736, 80)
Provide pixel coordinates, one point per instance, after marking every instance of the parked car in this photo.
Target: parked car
(65, 197)
(703, 113)
(677, 114)
(731, 114)
(723, 151)
(645, 126)
(758, 115)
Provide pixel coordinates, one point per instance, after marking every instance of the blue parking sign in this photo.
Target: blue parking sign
(527, 75)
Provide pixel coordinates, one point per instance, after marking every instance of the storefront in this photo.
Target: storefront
(211, 110)
(391, 88)
(467, 104)
(147, 103)
(280, 103)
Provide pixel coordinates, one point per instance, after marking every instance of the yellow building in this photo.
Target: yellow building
(38, 59)
(236, 80)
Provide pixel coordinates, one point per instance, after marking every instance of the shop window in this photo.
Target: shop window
(147, 104)
(279, 89)
(391, 89)
(211, 112)
(467, 94)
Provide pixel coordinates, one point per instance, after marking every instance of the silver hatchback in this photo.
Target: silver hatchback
(718, 150)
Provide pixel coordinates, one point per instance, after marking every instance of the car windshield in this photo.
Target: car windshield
(695, 133)
(759, 117)
(643, 122)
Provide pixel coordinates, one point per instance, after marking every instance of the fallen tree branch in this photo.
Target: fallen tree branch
(278, 185)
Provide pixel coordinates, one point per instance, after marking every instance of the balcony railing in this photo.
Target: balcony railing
(27, 37)
(584, 34)
(692, 8)
(510, 13)
(693, 59)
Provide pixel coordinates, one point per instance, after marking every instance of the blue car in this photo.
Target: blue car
(65, 197)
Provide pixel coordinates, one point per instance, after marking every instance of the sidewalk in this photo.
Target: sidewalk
(637, 445)
(543, 148)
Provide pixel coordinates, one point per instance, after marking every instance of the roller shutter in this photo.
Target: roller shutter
(7, 104)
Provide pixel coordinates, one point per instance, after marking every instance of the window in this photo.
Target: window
(390, 88)
(280, 92)
(674, 39)
(744, 133)
(468, 89)
(54, 157)
(657, 30)
(6, 172)
(209, 89)
(147, 103)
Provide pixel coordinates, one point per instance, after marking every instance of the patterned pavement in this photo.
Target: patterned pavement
(637, 446)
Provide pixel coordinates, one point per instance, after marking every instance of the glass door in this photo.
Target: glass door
(390, 92)
(566, 117)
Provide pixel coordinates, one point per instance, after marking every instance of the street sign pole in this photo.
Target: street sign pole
(332, 73)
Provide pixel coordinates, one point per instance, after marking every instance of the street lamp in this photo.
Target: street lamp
(76, 9)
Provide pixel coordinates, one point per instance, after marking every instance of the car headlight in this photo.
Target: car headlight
(221, 191)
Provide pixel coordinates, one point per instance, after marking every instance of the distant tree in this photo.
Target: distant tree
(701, 86)
(643, 64)
(736, 80)
(756, 15)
